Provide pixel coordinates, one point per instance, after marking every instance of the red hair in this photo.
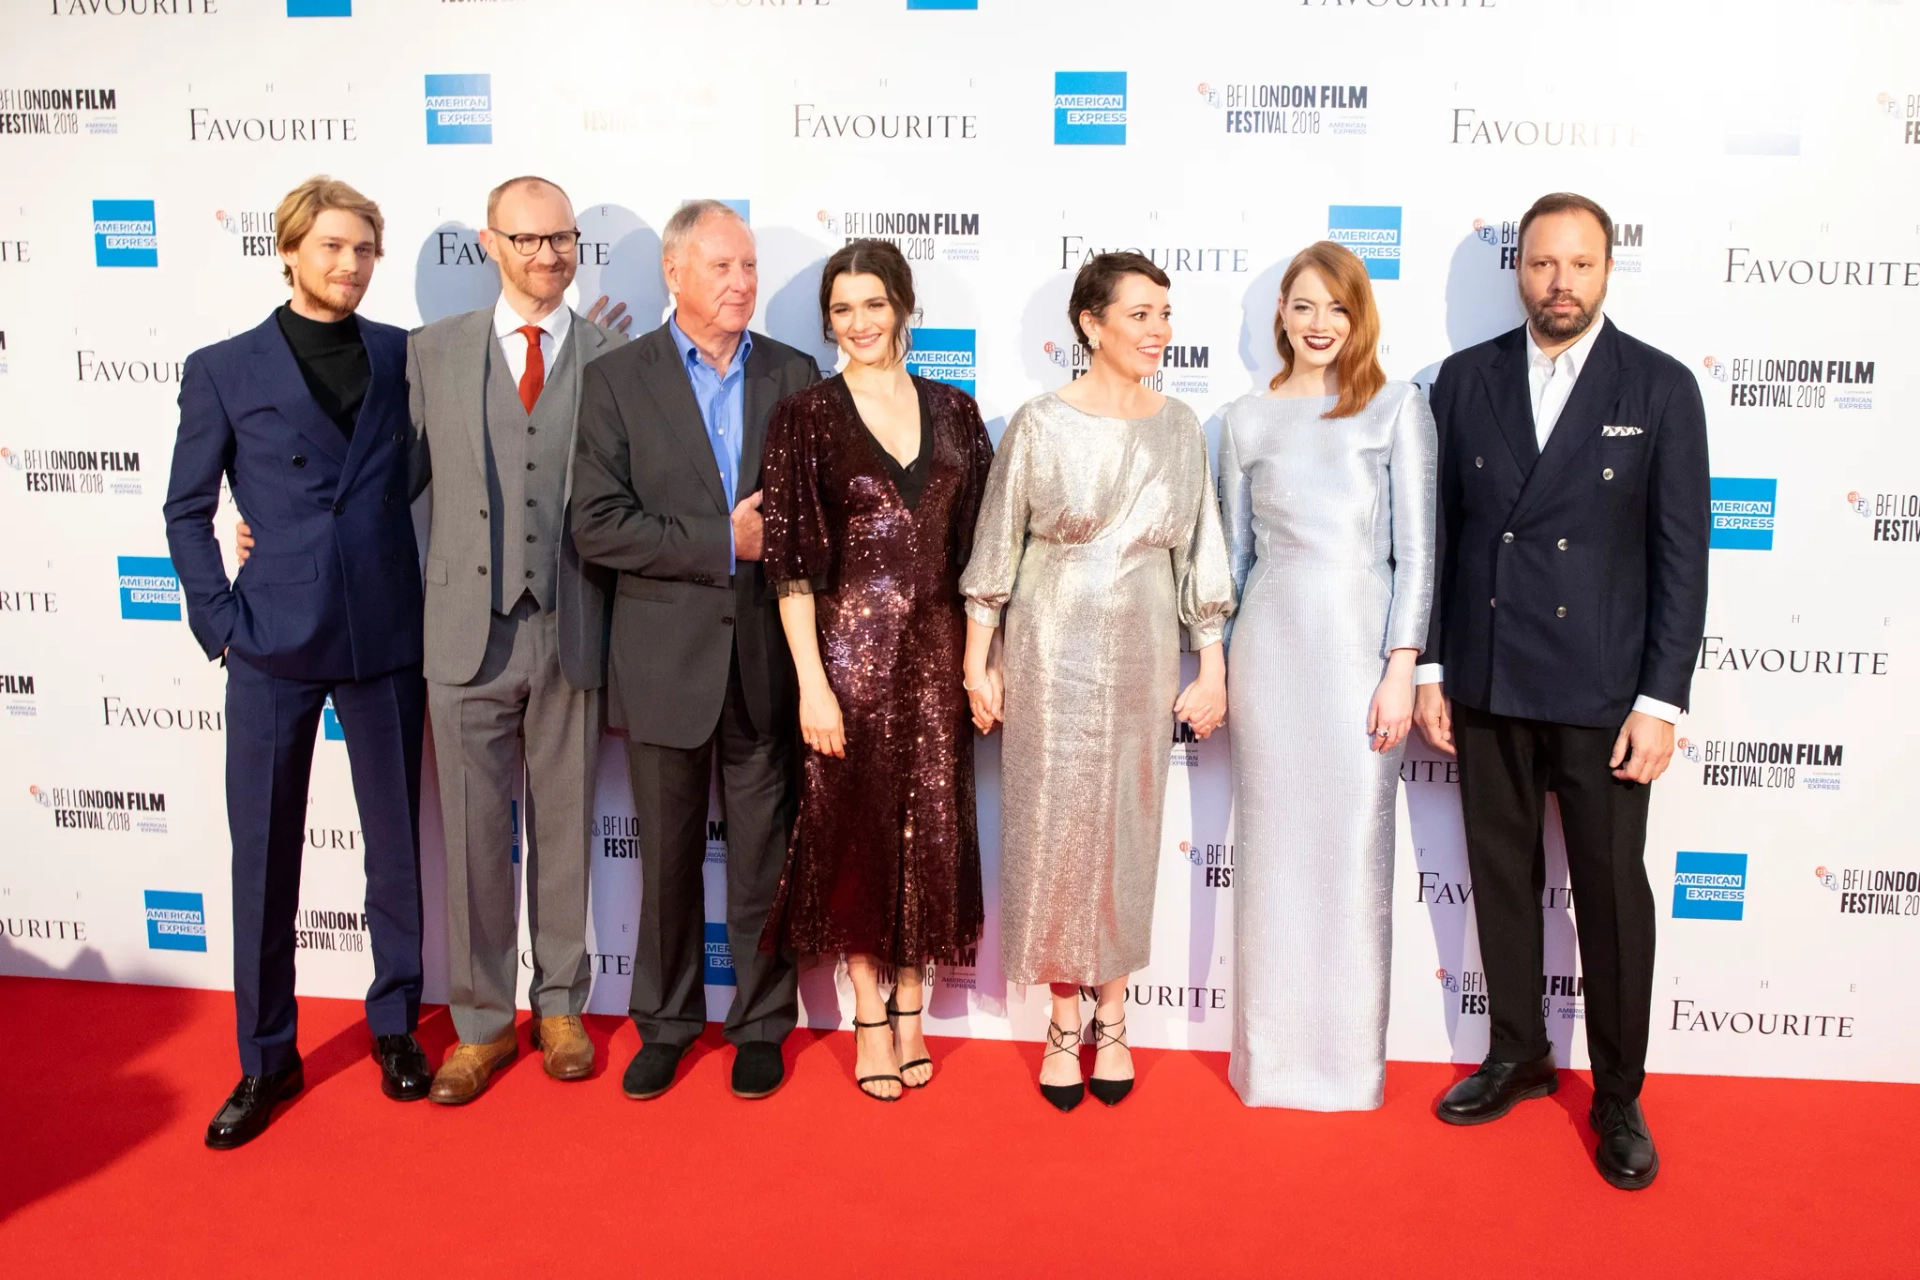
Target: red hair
(1358, 367)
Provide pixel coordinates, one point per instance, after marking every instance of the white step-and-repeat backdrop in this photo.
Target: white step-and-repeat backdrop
(1759, 157)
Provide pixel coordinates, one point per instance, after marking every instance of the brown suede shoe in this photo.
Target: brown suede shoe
(563, 1045)
(468, 1069)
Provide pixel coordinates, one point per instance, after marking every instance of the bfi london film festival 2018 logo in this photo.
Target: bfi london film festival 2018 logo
(1279, 109)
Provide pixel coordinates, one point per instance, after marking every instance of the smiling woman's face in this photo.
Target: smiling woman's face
(1317, 325)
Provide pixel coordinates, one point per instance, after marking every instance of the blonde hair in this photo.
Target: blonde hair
(306, 202)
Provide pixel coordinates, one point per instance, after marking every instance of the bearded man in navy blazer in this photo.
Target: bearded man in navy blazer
(306, 416)
(1573, 595)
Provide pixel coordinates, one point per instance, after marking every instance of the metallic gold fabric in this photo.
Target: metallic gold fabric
(1098, 537)
(1331, 524)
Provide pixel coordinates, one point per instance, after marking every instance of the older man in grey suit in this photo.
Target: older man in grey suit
(516, 636)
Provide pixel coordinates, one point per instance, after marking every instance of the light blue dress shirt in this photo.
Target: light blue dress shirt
(722, 399)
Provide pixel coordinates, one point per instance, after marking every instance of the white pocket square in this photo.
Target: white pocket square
(1623, 431)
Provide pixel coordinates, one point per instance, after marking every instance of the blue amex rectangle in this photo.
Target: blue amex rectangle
(1372, 231)
(176, 921)
(718, 969)
(149, 589)
(943, 355)
(124, 234)
(943, 4)
(1742, 513)
(1090, 108)
(459, 110)
(319, 8)
(1709, 886)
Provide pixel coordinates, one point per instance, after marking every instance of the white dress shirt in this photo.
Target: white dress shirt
(553, 332)
(1550, 379)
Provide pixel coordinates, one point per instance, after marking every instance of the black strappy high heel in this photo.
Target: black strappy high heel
(863, 1081)
(1064, 1096)
(1110, 1091)
(894, 1011)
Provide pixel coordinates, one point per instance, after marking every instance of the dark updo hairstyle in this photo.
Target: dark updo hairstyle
(878, 258)
(1099, 280)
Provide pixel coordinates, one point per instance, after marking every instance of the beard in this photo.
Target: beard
(334, 295)
(1549, 323)
(545, 284)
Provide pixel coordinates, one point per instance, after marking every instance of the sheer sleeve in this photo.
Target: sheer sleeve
(1236, 511)
(976, 448)
(1200, 571)
(1412, 460)
(1000, 534)
(797, 552)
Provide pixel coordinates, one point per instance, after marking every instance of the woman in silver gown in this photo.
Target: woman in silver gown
(1328, 487)
(1099, 536)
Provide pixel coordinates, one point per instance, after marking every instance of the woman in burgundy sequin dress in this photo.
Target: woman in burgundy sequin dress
(873, 480)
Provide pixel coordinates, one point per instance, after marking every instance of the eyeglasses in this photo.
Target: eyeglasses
(526, 244)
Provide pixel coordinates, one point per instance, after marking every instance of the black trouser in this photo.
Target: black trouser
(758, 793)
(1507, 766)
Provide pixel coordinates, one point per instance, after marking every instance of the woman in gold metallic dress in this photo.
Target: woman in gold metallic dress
(1099, 536)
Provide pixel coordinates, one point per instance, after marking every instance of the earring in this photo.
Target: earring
(1094, 343)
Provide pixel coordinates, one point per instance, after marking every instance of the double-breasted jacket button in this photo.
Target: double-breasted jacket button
(1562, 544)
(299, 459)
(1493, 603)
(1506, 537)
(1607, 474)
(1561, 612)
(1479, 462)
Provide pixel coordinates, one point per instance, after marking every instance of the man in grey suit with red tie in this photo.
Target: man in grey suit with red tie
(1572, 547)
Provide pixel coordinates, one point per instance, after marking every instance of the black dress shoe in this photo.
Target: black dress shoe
(650, 1074)
(404, 1075)
(757, 1069)
(1492, 1091)
(250, 1106)
(1625, 1155)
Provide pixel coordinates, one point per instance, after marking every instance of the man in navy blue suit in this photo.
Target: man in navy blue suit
(1573, 527)
(306, 415)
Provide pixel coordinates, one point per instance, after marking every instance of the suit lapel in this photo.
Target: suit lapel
(1594, 395)
(757, 403)
(288, 389)
(665, 376)
(1507, 387)
(589, 341)
(472, 354)
(380, 384)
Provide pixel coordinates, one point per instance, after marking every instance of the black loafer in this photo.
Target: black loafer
(650, 1074)
(250, 1106)
(404, 1075)
(1625, 1153)
(757, 1069)
(1496, 1087)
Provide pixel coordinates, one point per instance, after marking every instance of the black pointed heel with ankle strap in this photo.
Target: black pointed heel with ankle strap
(864, 1081)
(893, 1011)
(1064, 1096)
(1110, 1091)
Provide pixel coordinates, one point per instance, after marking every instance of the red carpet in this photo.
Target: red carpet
(108, 1088)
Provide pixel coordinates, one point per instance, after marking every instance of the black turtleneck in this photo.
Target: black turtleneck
(333, 359)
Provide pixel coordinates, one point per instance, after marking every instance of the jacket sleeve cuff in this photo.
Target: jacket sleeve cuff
(982, 614)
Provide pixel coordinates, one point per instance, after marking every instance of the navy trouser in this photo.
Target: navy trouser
(271, 725)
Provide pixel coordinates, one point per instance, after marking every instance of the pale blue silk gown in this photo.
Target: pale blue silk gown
(1330, 527)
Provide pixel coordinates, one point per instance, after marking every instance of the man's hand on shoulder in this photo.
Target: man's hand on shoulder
(1643, 750)
(616, 320)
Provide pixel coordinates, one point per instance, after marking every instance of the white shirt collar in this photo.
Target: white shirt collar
(1575, 355)
(506, 320)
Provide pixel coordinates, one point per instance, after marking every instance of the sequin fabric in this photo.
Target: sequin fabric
(1330, 523)
(885, 855)
(1098, 538)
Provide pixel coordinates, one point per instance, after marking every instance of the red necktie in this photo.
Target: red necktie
(535, 375)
